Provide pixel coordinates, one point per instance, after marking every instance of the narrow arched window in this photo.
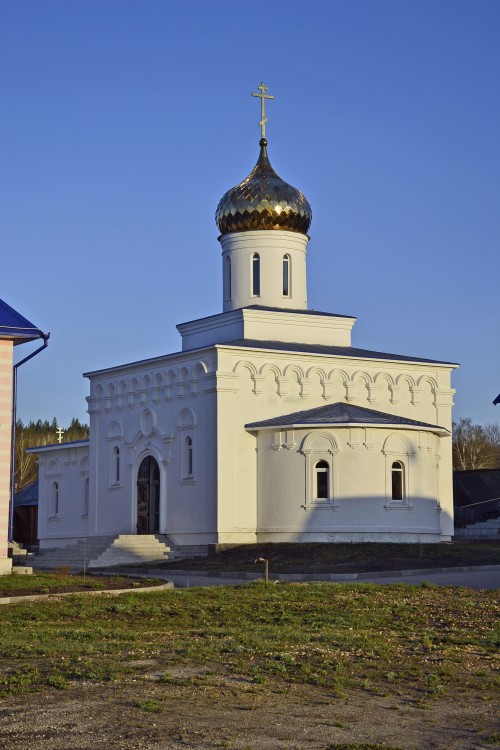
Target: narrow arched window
(189, 457)
(55, 498)
(286, 276)
(116, 457)
(398, 480)
(322, 471)
(227, 279)
(86, 493)
(256, 275)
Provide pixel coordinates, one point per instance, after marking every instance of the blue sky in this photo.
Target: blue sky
(124, 121)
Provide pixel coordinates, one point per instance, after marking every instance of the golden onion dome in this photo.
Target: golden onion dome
(263, 201)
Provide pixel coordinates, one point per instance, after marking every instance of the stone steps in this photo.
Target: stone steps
(109, 551)
(75, 555)
(130, 549)
(19, 555)
(489, 529)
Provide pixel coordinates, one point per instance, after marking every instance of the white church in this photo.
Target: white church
(268, 425)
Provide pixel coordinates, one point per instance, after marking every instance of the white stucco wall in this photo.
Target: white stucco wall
(271, 246)
(359, 506)
(62, 509)
(256, 384)
(149, 410)
(244, 489)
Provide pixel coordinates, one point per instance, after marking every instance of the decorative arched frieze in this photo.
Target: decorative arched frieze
(181, 382)
(197, 375)
(429, 380)
(257, 380)
(115, 431)
(359, 386)
(274, 377)
(156, 387)
(120, 393)
(200, 369)
(244, 364)
(186, 419)
(296, 380)
(108, 396)
(133, 389)
(83, 467)
(170, 381)
(382, 377)
(144, 389)
(398, 444)
(54, 468)
(414, 391)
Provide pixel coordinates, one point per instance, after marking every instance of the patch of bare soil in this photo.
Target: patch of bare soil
(218, 711)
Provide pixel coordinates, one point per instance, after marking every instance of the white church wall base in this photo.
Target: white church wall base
(5, 566)
(353, 536)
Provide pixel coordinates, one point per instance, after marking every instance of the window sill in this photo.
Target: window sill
(114, 487)
(54, 518)
(321, 505)
(398, 505)
(188, 480)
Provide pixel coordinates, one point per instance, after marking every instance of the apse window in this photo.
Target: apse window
(55, 498)
(256, 275)
(188, 458)
(116, 465)
(322, 471)
(398, 480)
(86, 495)
(286, 276)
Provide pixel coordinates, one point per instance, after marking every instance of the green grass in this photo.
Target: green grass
(344, 557)
(399, 640)
(62, 581)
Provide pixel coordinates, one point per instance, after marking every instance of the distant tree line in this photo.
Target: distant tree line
(475, 446)
(37, 433)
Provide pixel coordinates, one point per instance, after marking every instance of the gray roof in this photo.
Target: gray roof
(57, 446)
(338, 351)
(265, 308)
(341, 414)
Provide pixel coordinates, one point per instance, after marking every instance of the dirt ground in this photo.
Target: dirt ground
(219, 711)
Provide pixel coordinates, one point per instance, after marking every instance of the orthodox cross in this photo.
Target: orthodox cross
(263, 96)
(60, 433)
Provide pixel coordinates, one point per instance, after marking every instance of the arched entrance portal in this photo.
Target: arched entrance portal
(148, 497)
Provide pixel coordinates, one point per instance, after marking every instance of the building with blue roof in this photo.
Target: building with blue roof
(15, 329)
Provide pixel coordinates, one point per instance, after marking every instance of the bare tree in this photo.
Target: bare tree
(475, 446)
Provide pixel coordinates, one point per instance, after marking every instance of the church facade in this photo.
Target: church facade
(268, 425)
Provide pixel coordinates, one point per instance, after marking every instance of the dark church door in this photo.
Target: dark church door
(148, 497)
